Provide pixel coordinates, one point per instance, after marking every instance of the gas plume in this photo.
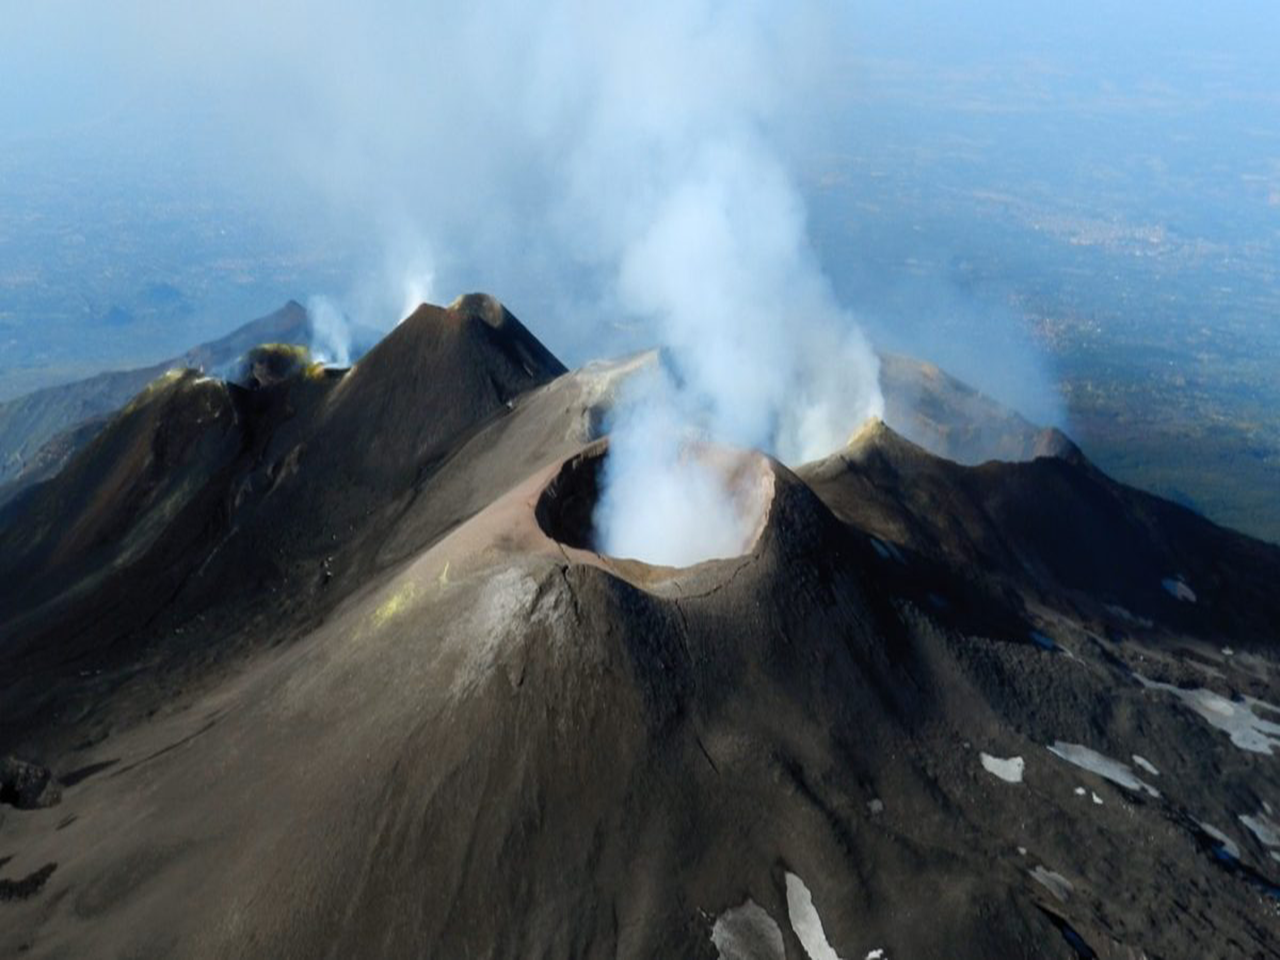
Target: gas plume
(330, 332)
(631, 162)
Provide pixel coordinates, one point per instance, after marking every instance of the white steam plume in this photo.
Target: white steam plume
(628, 160)
(418, 286)
(766, 357)
(330, 332)
(341, 326)
(660, 500)
(725, 269)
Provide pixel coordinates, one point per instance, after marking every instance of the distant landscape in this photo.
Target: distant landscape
(1150, 291)
(1142, 297)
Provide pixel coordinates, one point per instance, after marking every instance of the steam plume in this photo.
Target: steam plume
(661, 499)
(766, 356)
(627, 162)
(330, 332)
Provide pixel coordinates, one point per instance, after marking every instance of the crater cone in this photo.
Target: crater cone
(565, 510)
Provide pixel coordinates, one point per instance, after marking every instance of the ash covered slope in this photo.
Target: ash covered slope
(204, 506)
(949, 418)
(1059, 529)
(39, 432)
(394, 706)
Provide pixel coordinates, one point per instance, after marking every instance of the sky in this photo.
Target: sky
(388, 150)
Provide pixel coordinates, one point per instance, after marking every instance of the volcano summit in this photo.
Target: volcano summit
(336, 666)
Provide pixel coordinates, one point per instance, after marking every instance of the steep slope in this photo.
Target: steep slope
(1058, 526)
(29, 422)
(443, 725)
(949, 418)
(266, 509)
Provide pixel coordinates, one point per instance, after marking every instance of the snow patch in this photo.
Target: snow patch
(1113, 770)
(1236, 718)
(747, 933)
(1055, 883)
(1010, 771)
(1229, 845)
(877, 954)
(1264, 828)
(1146, 765)
(1177, 588)
(806, 922)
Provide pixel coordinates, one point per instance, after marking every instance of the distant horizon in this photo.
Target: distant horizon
(1077, 212)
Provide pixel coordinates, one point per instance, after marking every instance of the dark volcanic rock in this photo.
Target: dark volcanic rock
(339, 672)
(27, 886)
(40, 431)
(27, 786)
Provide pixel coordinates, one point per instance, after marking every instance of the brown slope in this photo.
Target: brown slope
(94, 561)
(441, 372)
(512, 747)
(295, 510)
(514, 756)
(122, 491)
(1060, 526)
(27, 423)
(484, 742)
(335, 482)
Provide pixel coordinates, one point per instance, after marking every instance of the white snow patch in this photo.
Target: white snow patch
(1178, 589)
(1146, 765)
(1010, 771)
(1022, 851)
(1080, 791)
(747, 933)
(1237, 719)
(806, 922)
(1228, 844)
(1264, 828)
(876, 954)
(875, 806)
(1055, 883)
(1113, 770)
(1096, 799)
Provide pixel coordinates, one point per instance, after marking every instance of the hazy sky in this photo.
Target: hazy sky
(524, 148)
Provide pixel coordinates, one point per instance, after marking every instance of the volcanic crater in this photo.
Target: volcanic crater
(567, 509)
